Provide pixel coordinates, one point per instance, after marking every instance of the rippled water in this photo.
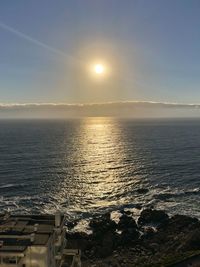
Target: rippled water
(95, 164)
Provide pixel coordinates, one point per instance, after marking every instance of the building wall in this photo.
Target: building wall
(51, 252)
(49, 255)
(36, 256)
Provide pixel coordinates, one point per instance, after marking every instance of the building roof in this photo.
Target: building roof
(13, 248)
(16, 231)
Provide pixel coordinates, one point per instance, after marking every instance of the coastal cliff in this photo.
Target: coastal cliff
(154, 240)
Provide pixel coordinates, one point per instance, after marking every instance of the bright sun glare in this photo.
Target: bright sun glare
(99, 68)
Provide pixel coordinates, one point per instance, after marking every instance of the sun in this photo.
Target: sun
(99, 69)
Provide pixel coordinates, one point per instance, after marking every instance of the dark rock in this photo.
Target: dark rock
(148, 231)
(175, 234)
(107, 245)
(126, 222)
(77, 235)
(106, 216)
(138, 206)
(152, 216)
(154, 246)
(128, 237)
(102, 224)
(126, 212)
(78, 240)
(170, 239)
(180, 222)
(71, 225)
(192, 241)
(142, 190)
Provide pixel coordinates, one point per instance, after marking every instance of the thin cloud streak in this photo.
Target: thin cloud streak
(35, 41)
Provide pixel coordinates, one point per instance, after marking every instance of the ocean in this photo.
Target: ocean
(93, 165)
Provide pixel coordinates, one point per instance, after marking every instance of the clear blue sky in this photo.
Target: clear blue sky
(152, 49)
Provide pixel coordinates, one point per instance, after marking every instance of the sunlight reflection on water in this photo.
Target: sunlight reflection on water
(92, 165)
(99, 153)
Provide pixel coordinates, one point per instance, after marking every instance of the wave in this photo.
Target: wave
(177, 194)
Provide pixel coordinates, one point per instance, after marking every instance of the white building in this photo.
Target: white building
(34, 241)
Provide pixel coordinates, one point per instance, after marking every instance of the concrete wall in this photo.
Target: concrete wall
(36, 256)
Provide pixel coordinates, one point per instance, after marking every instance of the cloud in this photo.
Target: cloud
(135, 109)
(38, 43)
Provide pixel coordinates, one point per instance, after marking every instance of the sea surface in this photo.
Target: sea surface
(92, 165)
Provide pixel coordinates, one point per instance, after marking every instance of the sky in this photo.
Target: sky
(150, 50)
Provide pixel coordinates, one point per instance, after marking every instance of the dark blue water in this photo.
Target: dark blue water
(97, 164)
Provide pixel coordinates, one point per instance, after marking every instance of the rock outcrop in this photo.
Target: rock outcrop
(129, 243)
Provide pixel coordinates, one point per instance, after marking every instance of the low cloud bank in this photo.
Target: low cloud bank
(130, 109)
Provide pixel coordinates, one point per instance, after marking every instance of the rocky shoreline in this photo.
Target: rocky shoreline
(155, 240)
